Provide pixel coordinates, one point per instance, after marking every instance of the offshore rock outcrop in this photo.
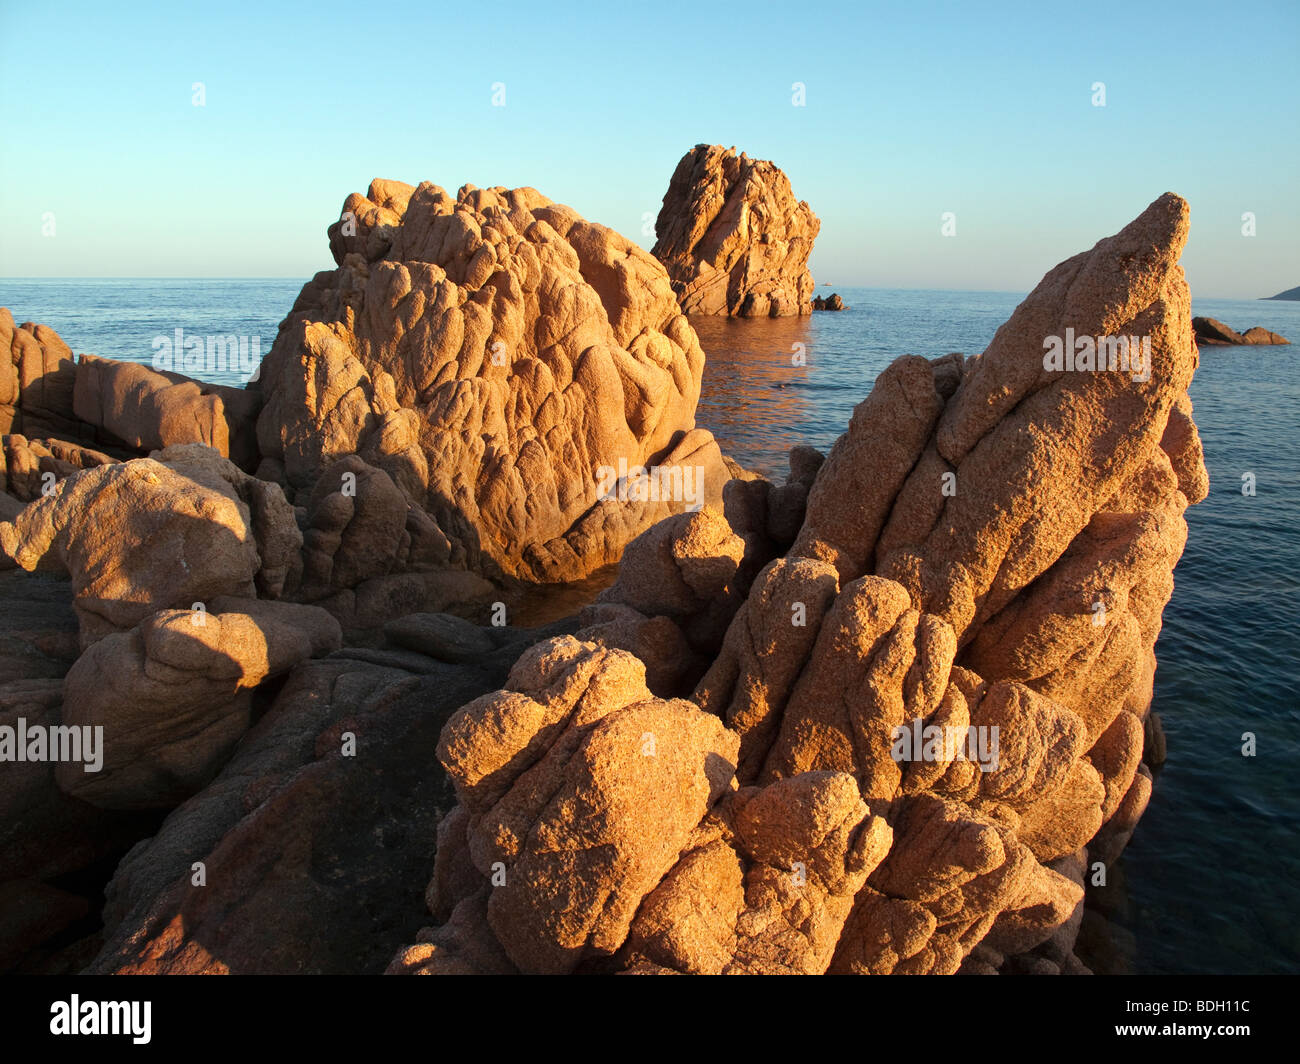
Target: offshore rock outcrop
(985, 553)
(510, 366)
(733, 238)
(1213, 332)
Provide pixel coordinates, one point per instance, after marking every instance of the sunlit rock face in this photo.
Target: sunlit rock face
(523, 375)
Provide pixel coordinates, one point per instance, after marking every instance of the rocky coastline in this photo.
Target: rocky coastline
(281, 617)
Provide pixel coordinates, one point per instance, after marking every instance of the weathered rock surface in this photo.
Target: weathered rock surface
(733, 237)
(441, 636)
(313, 837)
(877, 719)
(522, 378)
(982, 564)
(476, 391)
(173, 695)
(37, 376)
(507, 364)
(147, 410)
(125, 408)
(38, 627)
(30, 468)
(684, 579)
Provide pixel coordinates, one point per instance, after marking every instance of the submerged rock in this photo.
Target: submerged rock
(172, 696)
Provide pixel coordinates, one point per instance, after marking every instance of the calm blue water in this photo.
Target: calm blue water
(1211, 881)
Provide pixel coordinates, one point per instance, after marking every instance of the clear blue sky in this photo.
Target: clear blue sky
(913, 109)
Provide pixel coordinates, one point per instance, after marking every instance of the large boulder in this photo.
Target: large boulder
(581, 790)
(37, 376)
(733, 237)
(508, 365)
(1030, 515)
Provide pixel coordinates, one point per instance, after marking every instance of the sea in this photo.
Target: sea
(1210, 883)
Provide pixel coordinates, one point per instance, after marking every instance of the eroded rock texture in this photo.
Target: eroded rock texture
(37, 374)
(507, 364)
(477, 391)
(522, 377)
(733, 237)
(984, 555)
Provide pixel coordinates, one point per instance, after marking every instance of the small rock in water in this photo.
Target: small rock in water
(1212, 332)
